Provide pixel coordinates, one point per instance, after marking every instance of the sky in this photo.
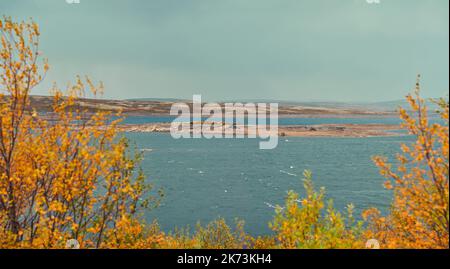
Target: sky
(292, 50)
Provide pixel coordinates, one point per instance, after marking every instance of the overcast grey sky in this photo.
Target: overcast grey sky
(302, 50)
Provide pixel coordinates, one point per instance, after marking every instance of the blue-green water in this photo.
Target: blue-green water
(232, 178)
(281, 120)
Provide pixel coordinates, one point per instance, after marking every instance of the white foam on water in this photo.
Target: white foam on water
(269, 205)
(287, 173)
(272, 206)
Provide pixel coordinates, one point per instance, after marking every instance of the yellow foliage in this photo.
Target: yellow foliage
(309, 223)
(419, 215)
(65, 174)
(215, 235)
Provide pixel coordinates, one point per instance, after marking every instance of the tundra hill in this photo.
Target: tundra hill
(162, 107)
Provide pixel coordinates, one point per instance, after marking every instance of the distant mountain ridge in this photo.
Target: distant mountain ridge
(381, 106)
(162, 106)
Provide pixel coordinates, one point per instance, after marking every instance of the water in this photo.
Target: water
(231, 178)
(281, 120)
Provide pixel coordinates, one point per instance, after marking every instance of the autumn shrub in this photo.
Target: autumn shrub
(65, 174)
(419, 214)
(132, 233)
(215, 235)
(311, 222)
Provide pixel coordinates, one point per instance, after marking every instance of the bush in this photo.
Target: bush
(63, 175)
(308, 223)
(419, 214)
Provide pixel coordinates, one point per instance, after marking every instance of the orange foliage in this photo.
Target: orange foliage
(419, 215)
(63, 175)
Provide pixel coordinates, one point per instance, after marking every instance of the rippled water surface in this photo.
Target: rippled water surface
(281, 121)
(232, 178)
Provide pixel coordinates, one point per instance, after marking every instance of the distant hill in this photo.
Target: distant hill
(174, 100)
(384, 106)
(162, 106)
(394, 105)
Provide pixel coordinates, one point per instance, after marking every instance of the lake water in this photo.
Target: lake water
(232, 178)
(281, 120)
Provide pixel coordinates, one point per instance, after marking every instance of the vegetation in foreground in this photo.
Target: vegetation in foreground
(71, 176)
